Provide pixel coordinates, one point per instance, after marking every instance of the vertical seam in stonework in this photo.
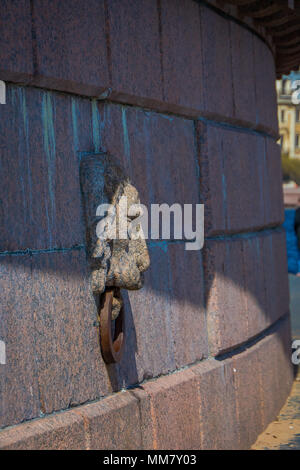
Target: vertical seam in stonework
(254, 73)
(224, 187)
(199, 401)
(261, 398)
(231, 69)
(244, 281)
(204, 303)
(198, 168)
(235, 20)
(265, 175)
(141, 419)
(202, 55)
(264, 280)
(86, 429)
(154, 421)
(108, 45)
(33, 39)
(237, 407)
(42, 408)
(254, 77)
(198, 143)
(161, 48)
(197, 159)
(169, 316)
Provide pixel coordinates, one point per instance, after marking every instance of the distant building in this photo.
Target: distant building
(288, 116)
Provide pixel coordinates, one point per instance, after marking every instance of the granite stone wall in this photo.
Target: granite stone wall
(184, 97)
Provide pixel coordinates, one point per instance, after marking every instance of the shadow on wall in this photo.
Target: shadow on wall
(193, 303)
(166, 321)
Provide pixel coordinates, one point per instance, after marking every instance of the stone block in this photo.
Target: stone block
(242, 50)
(63, 431)
(225, 295)
(39, 156)
(166, 326)
(273, 249)
(69, 364)
(71, 51)
(234, 202)
(19, 393)
(16, 55)
(182, 53)
(276, 370)
(217, 71)
(258, 315)
(135, 50)
(273, 193)
(113, 423)
(248, 396)
(157, 150)
(175, 411)
(217, 404)
(265, 79)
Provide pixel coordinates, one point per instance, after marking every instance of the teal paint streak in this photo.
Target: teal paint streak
(32, 252)
(27, 156)
(163, 244)
(126, 139)
(163, 116)
(96, 126)
(75, 124)
(257, 246)
(246, 235)
(224, 192)
(224, 187)
(16, 103)
(105, 122)
(50, 152)
(261, 170)
(266, 178)
(149, 160)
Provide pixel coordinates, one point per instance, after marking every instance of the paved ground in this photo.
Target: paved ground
(284, 433)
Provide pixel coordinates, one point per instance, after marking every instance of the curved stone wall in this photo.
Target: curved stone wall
(185, 99)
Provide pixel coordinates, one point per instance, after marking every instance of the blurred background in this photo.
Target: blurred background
(289, 127)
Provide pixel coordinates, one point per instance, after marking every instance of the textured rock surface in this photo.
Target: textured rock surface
(212, 405)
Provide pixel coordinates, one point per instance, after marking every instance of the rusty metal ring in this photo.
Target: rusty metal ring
(112, 344)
